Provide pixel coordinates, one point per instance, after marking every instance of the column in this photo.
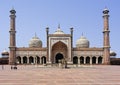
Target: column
(34, 59)
(21, 60)
(96, 60)
(84, 60)
(91, 60)
(27, 60)
(40, 60)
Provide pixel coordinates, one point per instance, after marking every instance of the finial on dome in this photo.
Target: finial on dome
(59, 31)
(58, 26)
(13, 8)
(82, 33)
(35, 34)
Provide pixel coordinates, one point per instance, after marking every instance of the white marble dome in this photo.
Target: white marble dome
(59, 31)
(5, 52)
(35, 42)
(112, 53)
(82, 42)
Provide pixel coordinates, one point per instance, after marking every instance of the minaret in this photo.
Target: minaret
(12, 56)
(106, 42)
(71, 30)
(47, 33)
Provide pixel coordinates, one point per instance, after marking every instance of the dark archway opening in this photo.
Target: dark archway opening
(38, 60)
(31, 60)
(93, 60)
(58, 57)
(100, 60)
(19, 60)
(81, 60)
(87, 60)
(75, 60)
(43, 60)
(24, 60)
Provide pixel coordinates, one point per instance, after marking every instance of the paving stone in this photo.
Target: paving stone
(85, 75)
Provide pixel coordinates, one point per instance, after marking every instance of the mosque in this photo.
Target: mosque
(59, 46)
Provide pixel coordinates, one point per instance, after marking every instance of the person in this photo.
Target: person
(65, 64)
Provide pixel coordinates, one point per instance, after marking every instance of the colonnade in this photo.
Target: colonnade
(31, 60)
(87, 60)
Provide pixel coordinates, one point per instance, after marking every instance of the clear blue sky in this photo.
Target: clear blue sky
(85, 16)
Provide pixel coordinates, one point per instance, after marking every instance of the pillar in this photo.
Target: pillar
(84, 60)
(96, 60)
(106, 42)
(91, 60)
(12, 47)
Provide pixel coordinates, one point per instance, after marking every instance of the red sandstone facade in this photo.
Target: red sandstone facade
(59, 46)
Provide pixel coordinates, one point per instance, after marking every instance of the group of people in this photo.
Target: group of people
(63, 63)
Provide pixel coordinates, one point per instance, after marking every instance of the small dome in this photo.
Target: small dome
(112, 53)
(12, 11)
(59, 31)
(35, 42)
(5, 53)
(105, 11)
(82, 42)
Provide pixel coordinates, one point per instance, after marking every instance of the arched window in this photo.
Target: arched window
(81, 60)
(75, 60)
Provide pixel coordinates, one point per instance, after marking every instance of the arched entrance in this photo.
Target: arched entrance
(81, 60)
(43, 60)
(75, 60)
(24, 60)
(37, 59)
(31, 60)
(94, 60)
(59, 51)
(58, 57)
(19, 60)
(100, 60)
(88, 60)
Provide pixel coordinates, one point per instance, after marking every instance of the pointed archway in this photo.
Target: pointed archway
(25, 60)
(58, 57)
(75, 60)
(59, 51)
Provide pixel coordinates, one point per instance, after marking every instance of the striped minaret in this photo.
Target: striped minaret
(106, 41)
(12, 47)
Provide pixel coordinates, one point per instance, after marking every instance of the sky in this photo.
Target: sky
(85, 16)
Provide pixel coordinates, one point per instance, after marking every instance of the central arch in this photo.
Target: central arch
(59, 51)
(58, 57)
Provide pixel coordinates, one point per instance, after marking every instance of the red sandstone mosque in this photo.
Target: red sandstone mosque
(59, 46)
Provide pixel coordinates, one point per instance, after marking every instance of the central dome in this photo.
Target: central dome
(35, 42)
(59, 31)
(82, 42)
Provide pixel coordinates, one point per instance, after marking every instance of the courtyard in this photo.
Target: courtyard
(40, 75)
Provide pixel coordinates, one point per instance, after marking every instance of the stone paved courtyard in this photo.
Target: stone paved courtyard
(83, 75)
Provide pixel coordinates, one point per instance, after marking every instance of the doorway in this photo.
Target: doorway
(58, 57)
